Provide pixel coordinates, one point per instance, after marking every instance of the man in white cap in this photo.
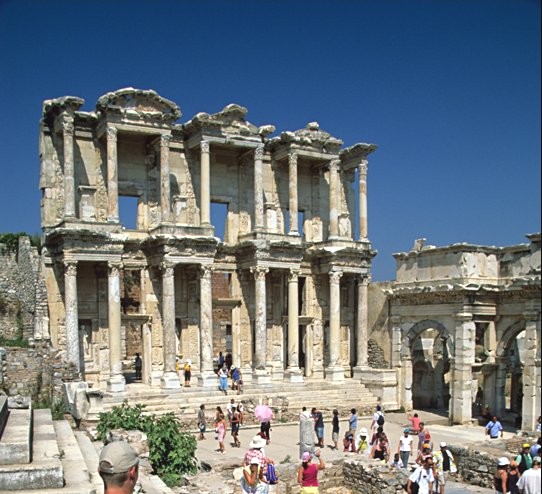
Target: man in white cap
(530, 481)
(118, 467)
(444, 466)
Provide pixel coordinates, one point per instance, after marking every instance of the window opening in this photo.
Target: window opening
(219, 216)
(128, 207)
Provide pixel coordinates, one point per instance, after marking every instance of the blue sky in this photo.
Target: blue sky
(448, 90)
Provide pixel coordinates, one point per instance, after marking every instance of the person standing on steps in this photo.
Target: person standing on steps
(138, 364)
(187, 372)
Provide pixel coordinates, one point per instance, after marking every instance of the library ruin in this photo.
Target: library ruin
(280, 279)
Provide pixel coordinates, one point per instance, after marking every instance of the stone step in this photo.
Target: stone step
(45, 472)
(90, 455)
(16, 437)
(76, 473)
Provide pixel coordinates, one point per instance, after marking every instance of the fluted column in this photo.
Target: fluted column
(112, 176)
(363, 229)
(362, 325)
(293, 372)
(258, 188)
(292, 193)
(116, 378)
(335, 371)
(205, 185)
(69, 184)
(72, 314)
(165, 188)
(207, 376)
(333, 198)
(531, 372)
(170, 379)
(261, 374)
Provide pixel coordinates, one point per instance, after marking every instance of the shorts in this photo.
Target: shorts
(441, 477)
(319, 432)
(234, 428)
(334, 436)
(309, 490)
(202, 427)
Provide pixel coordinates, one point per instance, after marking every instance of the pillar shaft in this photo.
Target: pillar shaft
(293, 320)
(334, 199)
(258, 188)
(116, 378)
(260, 319)
(206, 320)
(531, 374)
(362, 320)
(292, 193)
(335, 318)
(112, 176)
(72, 314)
(165, 188)
(69, 187)
(168, 316)
(205, 192)
(363, 230)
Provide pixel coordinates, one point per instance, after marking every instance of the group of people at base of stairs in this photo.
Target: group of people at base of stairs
(226, 371)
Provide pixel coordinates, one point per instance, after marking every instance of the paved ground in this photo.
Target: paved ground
(284, 443)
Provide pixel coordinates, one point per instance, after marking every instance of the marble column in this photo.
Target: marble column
(116, 380)
(260, 374)
(205, 184)
(170, 379)
(362, 332)
(165, 187)
(531, 372)
(72, 314)
(461, 384)
(500, 387)
(69, 184)
(335, 371)
(292, 193)
(490, 341)
(112, 176)
(362, 170)
(293, 372)
(258, 188)
(207, 376)
(334, 199)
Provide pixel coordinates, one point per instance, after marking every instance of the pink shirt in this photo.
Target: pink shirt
(415, 423)
(310, 476)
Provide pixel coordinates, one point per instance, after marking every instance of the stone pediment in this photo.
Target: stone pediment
(310, 137)
(138, 104)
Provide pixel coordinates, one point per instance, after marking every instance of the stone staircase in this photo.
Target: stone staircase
(42, 456)
(286, 399)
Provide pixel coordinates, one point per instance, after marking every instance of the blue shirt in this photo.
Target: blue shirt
(353, 422)
(494, 428)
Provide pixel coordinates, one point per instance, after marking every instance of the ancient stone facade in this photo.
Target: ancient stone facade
(285, 290)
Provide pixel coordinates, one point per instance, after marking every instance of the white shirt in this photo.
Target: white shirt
(529, 482)
(405, 443)
(424, 477)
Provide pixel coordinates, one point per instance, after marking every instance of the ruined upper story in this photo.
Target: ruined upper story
(295, 187)
(470, 264)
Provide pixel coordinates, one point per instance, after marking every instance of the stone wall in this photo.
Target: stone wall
(366, 478)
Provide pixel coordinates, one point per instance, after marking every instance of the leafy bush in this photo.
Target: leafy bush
(171, 451)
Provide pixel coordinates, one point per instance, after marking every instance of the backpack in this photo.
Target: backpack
(271, 474)
(380, 420)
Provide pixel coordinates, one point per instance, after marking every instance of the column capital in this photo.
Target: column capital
(114, 268)
(111, 133)
(67, 125)
(205, 146)
(335, 276)
(167, 268)
(396, 320)
(293, 274)
(206, 270)
(334, 165)
(364, 278)
(258, 152)
(259, 272)
(292, 159)
(70, 267)
(165, 139)
(363, 167)
(464, 316)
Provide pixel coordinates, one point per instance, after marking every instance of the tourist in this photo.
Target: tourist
(265, 431)
(253, 480)
(513, 478)
(535, 448)
(424, 436)
(241, 410)
(529, 482)
(414, 423)
(423, 476)
(307, 473)
(118, 467)
(138, 364)
(494, 428)
(228, 361)
(524, 458)
(396, 462)
(539, 424)
(378, 418)
(318, 425)
(348, 442)
(404, 448)
(501, 474)
(424, 454)
(187, 372)
(335, 429)
(235, 373)
(362, 442)
(229, 409)
(219, 362)
(202, 422)
(235, 421)
(444, 466)
(353, 422)
(305, 414)
(376, 436)
(223, 379)
(256, 450)
(220, 428)
(381, 448)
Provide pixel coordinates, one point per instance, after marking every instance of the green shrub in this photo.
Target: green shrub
(56, 406)
(172, 452)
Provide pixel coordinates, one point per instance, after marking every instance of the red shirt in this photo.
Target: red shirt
(310, 476)
(415, 423)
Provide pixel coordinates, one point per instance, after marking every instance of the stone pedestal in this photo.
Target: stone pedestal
(359, 371)
(170, 380)
(155, 378)
(261, 377)
(294, 375)
(207, 379)
(334, 373)
(116, 384)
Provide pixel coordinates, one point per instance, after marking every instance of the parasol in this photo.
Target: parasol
(263, 413)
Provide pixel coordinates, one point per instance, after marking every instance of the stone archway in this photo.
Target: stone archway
(428, 346)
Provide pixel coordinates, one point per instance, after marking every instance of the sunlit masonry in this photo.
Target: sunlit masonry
(287, 291)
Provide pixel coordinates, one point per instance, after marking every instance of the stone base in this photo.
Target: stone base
(294, 375)
(360, 371)
(261, 377)
(116, 384)
(155, 378)
(170, 380)
(207, 379)
(335, 373)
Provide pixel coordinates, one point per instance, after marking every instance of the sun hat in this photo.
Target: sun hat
(503, 461)
(117, 457)
(306, 456)
(363, 431)
(406, 431)
(254, 461)
(536, 459)
(443, 444)
(257, 442)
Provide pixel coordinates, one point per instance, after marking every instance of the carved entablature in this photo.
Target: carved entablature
(356, 155)
(311, 139)
(67, 105)
(138, 104)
